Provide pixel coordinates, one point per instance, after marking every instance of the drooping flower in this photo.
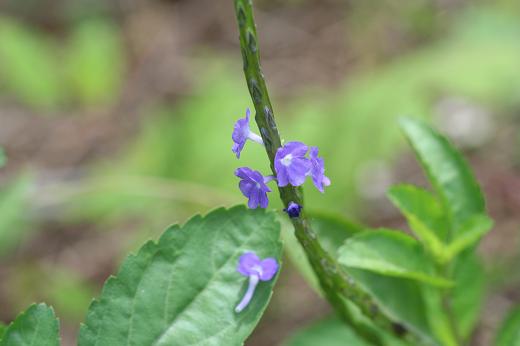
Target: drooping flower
(253, 186)
(317, 170)
(241, 133)
(257, 270)
(293, 210)
(291, 165)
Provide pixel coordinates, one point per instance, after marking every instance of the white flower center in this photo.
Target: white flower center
(286, 161)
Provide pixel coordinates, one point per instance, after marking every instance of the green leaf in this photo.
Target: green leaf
(424, 214)
(509, 332)
(37, 326)
(3, 327)
(391, 253)
(183, 289)
(469, 292)
(328, 332)
(448, 172)
(331, 230)
(402, 299)
(469, 234)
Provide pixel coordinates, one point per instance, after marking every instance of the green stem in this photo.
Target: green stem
(334, 282)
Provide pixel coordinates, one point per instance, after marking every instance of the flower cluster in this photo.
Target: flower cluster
(291, 164)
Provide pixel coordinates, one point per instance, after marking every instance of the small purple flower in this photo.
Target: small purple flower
(293, 210)
(318, 170)
(241, 133)
(291, 165)
(257, 270)
(253, 186)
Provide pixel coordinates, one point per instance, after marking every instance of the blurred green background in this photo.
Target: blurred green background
(116, 119)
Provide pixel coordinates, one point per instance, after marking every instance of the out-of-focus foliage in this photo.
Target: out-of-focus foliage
(328, 332)
(14, 219)
(191, 142)
(509, 333)
(45, 74)
(3, 158)
(30, 68)
(95, 62)
(62, 288)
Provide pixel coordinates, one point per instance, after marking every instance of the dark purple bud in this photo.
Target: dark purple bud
(293, 210)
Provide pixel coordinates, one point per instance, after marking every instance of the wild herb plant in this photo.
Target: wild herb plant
(209, 281)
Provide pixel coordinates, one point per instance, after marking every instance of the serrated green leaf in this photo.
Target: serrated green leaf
(424, 214)
(448, 172)
(183, 289)
(328, 332)
(391, 253)
(509, 332)
(37, 326)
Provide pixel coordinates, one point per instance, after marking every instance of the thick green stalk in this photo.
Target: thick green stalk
(335, 283)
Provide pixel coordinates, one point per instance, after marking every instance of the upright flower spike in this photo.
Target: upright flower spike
(318, 170)
(291, 165)
(257, 270)
(241, 133)
(253, 186)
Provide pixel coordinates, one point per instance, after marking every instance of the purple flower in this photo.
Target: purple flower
(318, 170)
(257, 270)
(293, 210)
(241, 133)
(291, 165)
(253, 186)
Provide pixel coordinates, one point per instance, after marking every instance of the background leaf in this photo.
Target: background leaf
(37, 326)
(183, 289)
(30, 68)
(13, 212)
(95, 61)
(391, 253)
(328, 332)
(424, 214)
(469, 292)
(509, 333)
(331, 230)
(470, 233)
(448, 172)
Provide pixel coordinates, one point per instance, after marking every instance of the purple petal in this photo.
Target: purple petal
(253, 282)
(264, 201)
(297, 149)
(298, 170)
(246, 187)
(253, 199)
(248, 263)
(243, 172)
(269, 268)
